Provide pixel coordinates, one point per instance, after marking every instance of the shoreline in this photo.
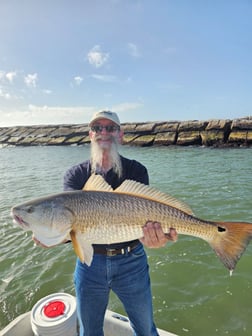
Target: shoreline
(211, 133)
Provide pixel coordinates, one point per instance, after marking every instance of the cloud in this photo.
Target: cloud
(55, 109)
(4, 94)
(46, 115)
(124, 107)
(10, 76)
(47, 91)
(96, 57)
(78, 80)
(134, 50)
(104, 78)
(31, 80)
(60, 114)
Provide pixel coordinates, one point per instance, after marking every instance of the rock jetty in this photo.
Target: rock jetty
(216, 133)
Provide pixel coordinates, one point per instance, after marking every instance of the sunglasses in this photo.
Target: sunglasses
(108, 128)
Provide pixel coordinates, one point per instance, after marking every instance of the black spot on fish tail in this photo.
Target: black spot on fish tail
(221, 229)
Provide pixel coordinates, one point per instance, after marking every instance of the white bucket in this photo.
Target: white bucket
(55, 315)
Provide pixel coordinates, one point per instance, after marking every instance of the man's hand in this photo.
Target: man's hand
(154, 236)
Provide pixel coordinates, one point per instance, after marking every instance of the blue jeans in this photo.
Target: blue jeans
(128, 276)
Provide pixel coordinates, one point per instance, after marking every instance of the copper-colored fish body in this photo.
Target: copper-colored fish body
(101, 215)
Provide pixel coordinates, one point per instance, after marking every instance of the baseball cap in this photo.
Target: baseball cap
(105, 115)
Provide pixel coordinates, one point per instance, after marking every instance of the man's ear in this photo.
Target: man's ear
(91, 134)
(120, 136)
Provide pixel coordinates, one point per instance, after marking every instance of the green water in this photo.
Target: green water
(193, 293)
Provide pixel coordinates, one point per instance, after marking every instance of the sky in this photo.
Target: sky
(147, 60)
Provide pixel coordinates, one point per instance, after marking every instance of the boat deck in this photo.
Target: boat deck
(114, 325)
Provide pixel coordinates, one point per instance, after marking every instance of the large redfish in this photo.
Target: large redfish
(101, 215)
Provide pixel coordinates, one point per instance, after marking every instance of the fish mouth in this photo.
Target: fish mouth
(19, 220)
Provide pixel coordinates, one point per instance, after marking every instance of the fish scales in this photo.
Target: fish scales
(126, 215)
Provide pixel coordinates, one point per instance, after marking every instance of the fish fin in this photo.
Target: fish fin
(83, 249)
(231, 242)
(139, 189)
(97, 182)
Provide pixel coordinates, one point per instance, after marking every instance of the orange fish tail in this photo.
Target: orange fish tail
(230, 242)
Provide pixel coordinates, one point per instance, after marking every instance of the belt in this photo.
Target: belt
(110, 252)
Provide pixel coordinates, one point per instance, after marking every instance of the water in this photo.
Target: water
(193, 293)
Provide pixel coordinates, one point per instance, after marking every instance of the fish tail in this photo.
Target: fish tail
(231, 241)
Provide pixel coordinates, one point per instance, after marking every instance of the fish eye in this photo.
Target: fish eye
(30, 209)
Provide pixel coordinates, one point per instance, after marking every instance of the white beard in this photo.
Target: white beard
(114, 160)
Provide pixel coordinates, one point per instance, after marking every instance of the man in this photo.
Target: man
(119, 267)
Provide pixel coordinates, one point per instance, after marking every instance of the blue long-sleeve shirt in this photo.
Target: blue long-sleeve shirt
(76, 177)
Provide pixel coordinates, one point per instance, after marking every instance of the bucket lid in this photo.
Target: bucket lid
(54, 308)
